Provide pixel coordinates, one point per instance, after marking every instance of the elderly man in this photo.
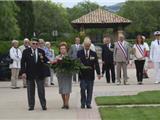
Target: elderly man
(73, 52)
(26, 45)
(87, 76)
(121, 58)
(33, 67)
(155, 55)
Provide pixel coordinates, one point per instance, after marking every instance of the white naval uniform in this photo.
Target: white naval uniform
(155, 57)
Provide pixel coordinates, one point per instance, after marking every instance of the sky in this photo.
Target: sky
(71, 3)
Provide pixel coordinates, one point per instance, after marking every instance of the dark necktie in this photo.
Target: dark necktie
(87, 54)
(158, 42)
(34, 56)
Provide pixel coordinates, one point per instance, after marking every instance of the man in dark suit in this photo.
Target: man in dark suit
(107, 59)
(87, 76)
(32, 66)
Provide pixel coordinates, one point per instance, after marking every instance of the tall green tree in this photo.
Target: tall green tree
(26, 18)
(48, 17)
(144, 15)
(8, 23)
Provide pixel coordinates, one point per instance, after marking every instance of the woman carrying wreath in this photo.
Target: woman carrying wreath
(64, 79)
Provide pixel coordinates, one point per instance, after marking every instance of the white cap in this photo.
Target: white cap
(143, 37)
(157, 33)
(26, 39)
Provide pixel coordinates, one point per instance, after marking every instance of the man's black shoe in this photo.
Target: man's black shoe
(82, 106)
(44, 108)
(89, 107)
(67, 107)
(52, 83)
(31, 108)
(63, 107)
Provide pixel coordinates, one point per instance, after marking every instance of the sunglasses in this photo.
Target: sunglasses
(35, 43)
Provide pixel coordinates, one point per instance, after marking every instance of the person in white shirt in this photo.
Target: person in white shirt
(145, 74)
(15, 55)
(26, 44)
(155, 56)
(139, 51)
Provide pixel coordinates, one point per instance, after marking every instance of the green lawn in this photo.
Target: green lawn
(136, 113)
(149, 97)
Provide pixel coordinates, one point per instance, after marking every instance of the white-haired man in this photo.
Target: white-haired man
(87, 76)
(26, 45)
(121, 58)
(155, 55)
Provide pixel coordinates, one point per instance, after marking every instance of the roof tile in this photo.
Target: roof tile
(101, 16)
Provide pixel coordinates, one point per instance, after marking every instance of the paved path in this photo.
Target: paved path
(13, 103)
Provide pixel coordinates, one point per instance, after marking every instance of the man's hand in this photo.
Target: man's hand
(24, 76)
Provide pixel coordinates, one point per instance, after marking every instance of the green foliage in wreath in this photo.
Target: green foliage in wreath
(68, 66)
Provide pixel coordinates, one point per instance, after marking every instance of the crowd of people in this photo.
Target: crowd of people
(29, 61)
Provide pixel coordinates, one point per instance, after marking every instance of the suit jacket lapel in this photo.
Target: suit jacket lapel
(37, 55)
(84, 53)
(31, 53)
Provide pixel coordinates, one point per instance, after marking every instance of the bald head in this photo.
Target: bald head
(87, 43)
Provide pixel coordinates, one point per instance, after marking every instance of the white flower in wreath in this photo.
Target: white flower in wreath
(40, 55)
(92, 58)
